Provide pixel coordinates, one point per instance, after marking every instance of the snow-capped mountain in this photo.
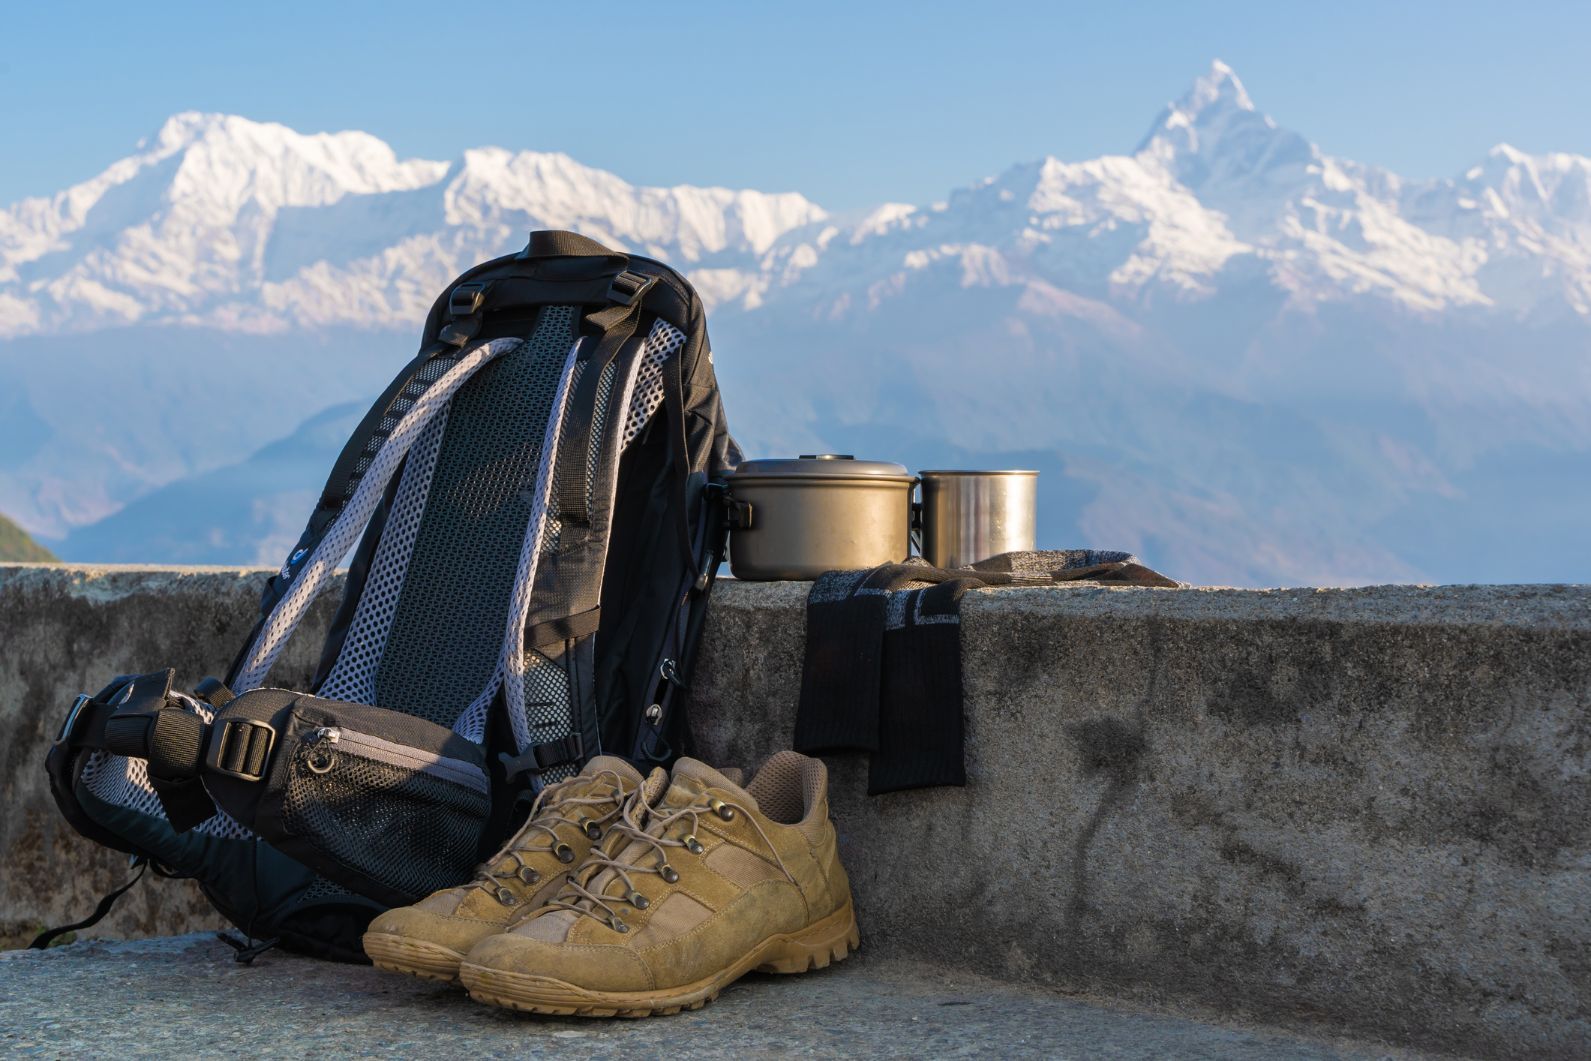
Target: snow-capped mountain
(218, 220)
(1218, 195)
(1248, 359)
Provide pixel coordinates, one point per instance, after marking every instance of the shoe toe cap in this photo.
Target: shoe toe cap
(428, 926)
(581, 966)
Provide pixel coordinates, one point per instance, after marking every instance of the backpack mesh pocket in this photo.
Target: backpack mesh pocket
(367, 811)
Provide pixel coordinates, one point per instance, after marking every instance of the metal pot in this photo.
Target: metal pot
(972, 515)
(795, 519)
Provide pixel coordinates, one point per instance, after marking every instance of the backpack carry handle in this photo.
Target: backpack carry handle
(556, 243)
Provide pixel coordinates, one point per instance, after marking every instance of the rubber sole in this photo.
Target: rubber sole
(413, 957)
(814, 947)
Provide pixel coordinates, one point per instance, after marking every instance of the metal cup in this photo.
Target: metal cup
(972, 515)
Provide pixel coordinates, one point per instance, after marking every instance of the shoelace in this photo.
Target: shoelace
(554, 806)
(576, 894)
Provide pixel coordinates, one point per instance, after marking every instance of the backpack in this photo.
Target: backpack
(535, 517)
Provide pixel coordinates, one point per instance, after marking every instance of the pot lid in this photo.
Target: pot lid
(821, 466)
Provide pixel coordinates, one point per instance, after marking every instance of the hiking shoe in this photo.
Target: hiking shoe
(690, 892)
(430, 938)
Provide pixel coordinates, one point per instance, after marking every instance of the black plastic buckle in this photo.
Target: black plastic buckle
(628, 286)
(69, 727)
(241, 748)
(466, 299)
(540, 758)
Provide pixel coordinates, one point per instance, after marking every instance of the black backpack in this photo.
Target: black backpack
(534, 517)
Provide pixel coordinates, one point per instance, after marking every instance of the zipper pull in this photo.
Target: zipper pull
(329, 734)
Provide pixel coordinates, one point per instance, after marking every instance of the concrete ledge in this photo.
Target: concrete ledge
(1369, 808)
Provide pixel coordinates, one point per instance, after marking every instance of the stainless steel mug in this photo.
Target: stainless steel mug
(970, 516)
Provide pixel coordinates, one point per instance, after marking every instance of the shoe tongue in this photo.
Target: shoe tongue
(612, 763)
(654, 786)
(706, 777)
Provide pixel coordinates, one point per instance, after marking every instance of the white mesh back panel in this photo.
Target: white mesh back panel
(511, 664)
(446, 638)
(350, 524)
(353, 678)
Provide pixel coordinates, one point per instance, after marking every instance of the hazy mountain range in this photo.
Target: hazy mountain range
(1244, 358)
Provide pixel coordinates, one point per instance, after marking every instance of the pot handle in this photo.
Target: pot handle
(738, 515)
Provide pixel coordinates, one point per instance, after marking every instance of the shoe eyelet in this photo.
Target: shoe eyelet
(528, 875)
(669, 873)
(564, 852)
(693, 845)
(506, 897)
(618, 926)
(723, 810)
(592, 830)
(639, 901)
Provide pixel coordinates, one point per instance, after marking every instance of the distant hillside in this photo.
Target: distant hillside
(15, 545)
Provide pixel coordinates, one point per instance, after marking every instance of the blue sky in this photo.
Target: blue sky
(850, 103)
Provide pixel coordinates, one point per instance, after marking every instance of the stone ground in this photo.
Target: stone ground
(185, 995)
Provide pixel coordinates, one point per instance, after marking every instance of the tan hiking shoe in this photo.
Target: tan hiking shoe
(430, 938)
(690, 893)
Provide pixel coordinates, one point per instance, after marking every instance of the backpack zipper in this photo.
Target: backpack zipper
(365, 746)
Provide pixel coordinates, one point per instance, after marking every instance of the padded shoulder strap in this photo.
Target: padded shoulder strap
(306, 575)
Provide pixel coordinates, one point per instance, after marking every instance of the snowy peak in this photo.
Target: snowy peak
(228, 161)
(220, 220)
(530, 189)
(246, 225)
(1216, 91)
(1213, 102)
(1215, 138)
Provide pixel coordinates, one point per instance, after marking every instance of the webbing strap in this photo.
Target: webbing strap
(616, 324)
(679, 457)
(564, 628)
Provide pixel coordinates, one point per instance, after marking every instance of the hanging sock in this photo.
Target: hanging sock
(921, 741)
(845, 648)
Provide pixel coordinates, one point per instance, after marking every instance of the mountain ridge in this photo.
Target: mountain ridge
(221, 242)
(1228, 349)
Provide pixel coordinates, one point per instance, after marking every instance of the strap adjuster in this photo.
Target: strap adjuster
(466, 299)
(241, 748)
(628, 286)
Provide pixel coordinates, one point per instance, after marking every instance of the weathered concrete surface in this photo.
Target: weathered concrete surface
(160, 998)
(1370, 808)
(66, 630)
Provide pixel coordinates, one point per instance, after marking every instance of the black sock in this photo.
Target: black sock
(921, 734)
(840, 675)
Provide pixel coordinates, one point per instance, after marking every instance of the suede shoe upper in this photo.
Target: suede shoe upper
(566, 820)
(689, 883)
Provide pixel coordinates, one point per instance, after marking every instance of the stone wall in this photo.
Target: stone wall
(1370, 808)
